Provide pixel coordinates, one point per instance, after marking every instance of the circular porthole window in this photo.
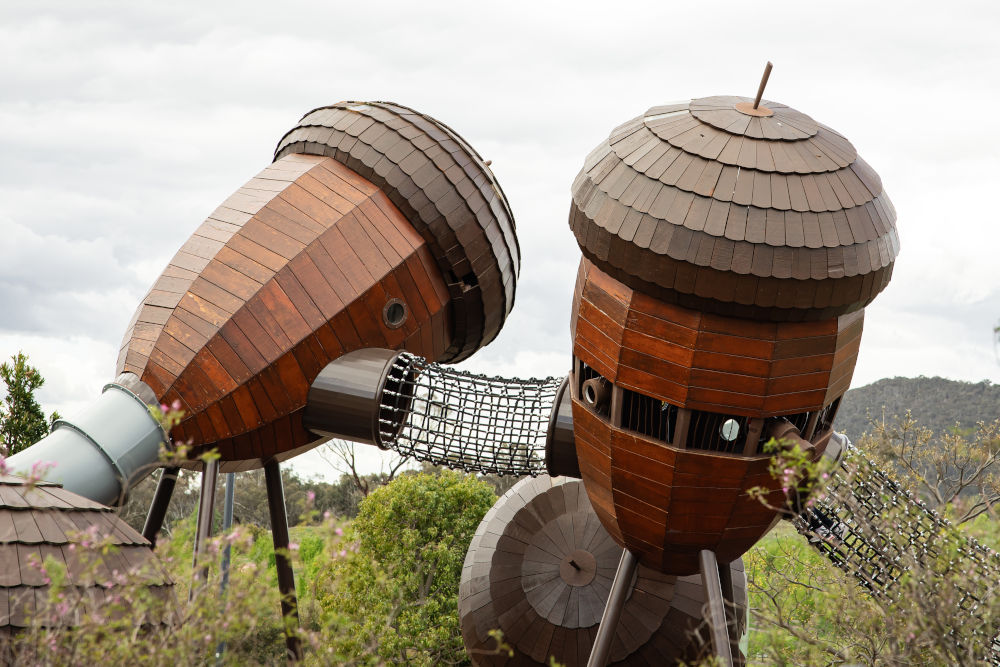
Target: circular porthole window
(730, 430)
(394, 313)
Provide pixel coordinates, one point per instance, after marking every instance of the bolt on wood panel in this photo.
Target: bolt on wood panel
(301, 280)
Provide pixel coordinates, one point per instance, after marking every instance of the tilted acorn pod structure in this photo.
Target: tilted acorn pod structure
(729, 251)
(376, 226)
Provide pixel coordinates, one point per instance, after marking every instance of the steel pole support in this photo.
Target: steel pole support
(286, 578)
(716, 607)
(206, 505)
(161, 501)
(227, 523)
(620, 589)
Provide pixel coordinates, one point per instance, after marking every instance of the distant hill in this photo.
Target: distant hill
(935, 402)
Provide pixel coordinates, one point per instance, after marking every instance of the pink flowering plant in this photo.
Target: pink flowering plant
(170, 610)
(799, 479)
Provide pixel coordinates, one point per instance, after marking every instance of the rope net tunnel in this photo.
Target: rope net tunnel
(871, 527)
(466, 421)
(436, 414)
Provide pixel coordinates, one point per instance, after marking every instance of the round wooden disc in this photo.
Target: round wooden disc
(748, 109)
(540, 569)
(578, 568)
(784, 122)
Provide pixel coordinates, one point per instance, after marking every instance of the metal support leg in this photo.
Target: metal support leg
(620, 588)
(158, 508)
(203, 527)
(729, 597)
(286, 578)
(206, 503)
(717, 624)
(227, 523)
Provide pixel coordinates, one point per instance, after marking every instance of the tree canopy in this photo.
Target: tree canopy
(22, 422)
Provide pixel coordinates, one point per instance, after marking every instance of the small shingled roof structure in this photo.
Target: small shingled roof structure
(443, 187)
(540, 568)
(41, 520)
(749, 212)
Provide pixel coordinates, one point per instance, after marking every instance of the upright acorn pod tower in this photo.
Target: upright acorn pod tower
(730, 247)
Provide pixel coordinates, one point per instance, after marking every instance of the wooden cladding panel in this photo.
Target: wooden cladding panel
(197, 254)
(280, 396)
(441, 185)
(593, 439)
(302, 279)
(666, 504)
(708, 362)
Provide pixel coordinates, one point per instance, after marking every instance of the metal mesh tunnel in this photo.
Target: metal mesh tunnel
(466, 421)
(872, 528)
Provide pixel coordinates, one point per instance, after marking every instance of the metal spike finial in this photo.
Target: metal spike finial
(763, 82)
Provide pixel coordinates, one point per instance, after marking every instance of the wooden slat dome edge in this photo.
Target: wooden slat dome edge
(775, 218)
(446, 191)
(40, 520)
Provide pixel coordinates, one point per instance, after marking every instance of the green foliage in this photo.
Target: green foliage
(807, 612)
(22, 422)
(340, 498)
(945, 601)
(398, 585)
(797, 475)
(139, 624)
(956, 472)
(986, 529)
(935, 402)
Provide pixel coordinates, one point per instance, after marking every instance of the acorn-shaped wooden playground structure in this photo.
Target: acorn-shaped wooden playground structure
(730, 248)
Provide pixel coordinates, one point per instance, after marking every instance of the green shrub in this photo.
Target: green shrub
(396, 586)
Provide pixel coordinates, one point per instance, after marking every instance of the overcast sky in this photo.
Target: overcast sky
(123, 125)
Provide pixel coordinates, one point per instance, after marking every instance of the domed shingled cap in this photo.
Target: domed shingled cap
(715, 205)
(42, 520)
(446, 191)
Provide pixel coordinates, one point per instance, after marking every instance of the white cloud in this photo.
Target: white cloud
(123, 125)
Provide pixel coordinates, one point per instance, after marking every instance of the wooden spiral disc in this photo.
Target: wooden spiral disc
(540, 568)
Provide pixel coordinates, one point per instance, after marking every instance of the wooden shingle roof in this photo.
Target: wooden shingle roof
(42, 520)
(446, 191)
(766, 214)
